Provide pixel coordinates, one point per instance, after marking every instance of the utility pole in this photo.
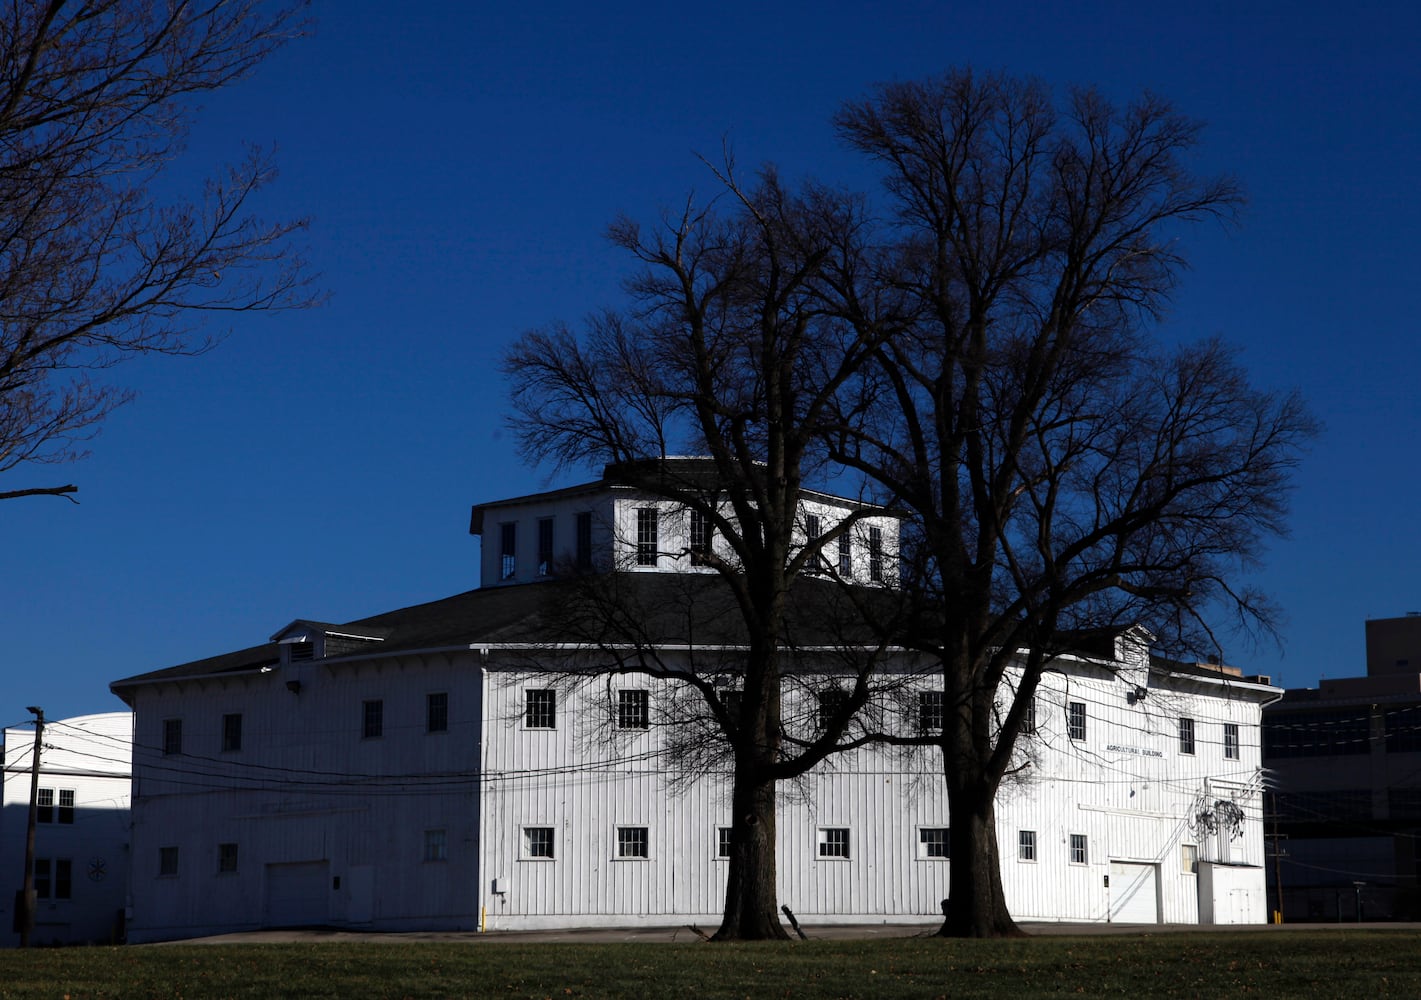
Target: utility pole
(27, 921)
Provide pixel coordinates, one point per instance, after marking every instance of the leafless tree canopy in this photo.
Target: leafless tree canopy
(1063, 471)
(726, 352)
(975, 344)
(95, 99)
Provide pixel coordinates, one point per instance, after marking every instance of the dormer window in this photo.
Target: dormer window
(702, 531)
(646, 542)
(301, 652)
(508, 550)
(545, 546)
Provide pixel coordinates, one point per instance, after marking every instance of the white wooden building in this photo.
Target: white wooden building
(437, 767)
(81, 828)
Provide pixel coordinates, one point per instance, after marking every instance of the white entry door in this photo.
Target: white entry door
(1134, 893)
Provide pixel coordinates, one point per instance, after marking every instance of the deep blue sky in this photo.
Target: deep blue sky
(460, 163)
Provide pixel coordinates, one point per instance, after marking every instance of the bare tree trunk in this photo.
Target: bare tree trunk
(976, 905)
(750, 892)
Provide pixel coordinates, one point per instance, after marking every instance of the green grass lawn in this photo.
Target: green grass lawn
(1292, 964)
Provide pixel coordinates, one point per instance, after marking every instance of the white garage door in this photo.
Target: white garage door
(1134, 893)
(298, 895)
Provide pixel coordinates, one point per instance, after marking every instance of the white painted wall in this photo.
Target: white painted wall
(308, 798)
(307, 788)
(89, 756)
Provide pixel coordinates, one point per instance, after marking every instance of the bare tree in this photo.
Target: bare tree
(1062, 471)
(94, 267)
(724, 353)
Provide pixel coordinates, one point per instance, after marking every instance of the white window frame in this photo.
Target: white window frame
(724, 842)
(1079, 848)
(1186, 736)
(548, 711)
(647, 552)
(834, 844)
(700, 536)
(633, 713)
(1231, 741)
(1076, 721)
(1026, 846)
(928, 837)
(931, 704)
(546, 538)
(507, 550)
(813, 529)
(537, 832)
(1189, 858)
(626, 842)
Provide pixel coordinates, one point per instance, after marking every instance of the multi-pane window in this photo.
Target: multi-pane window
(167, 861)
(875, 553)
(1028, 721)
(507, 550)
(1026, 845)
(540, 708)
(232, 732)
(633, 710)
(646, 542)
(372, 719)
(633, 842)
(583, 542)
(44, 805)
(831, 704)
(1186, 735)
(436, 845)
(1079, 851)
(172, 736)
(1231, 740)
(545, 546)
(226, 857)
(834, 842)
(702, 531)
(1075, 720)
(732, 700)
(846, 559)
(1189, 858)
(813, 528)
(54, 878)
(436, 712)
(723, 841)
(43, 878)
(930, 711)
(538, 842)
(933, 842)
